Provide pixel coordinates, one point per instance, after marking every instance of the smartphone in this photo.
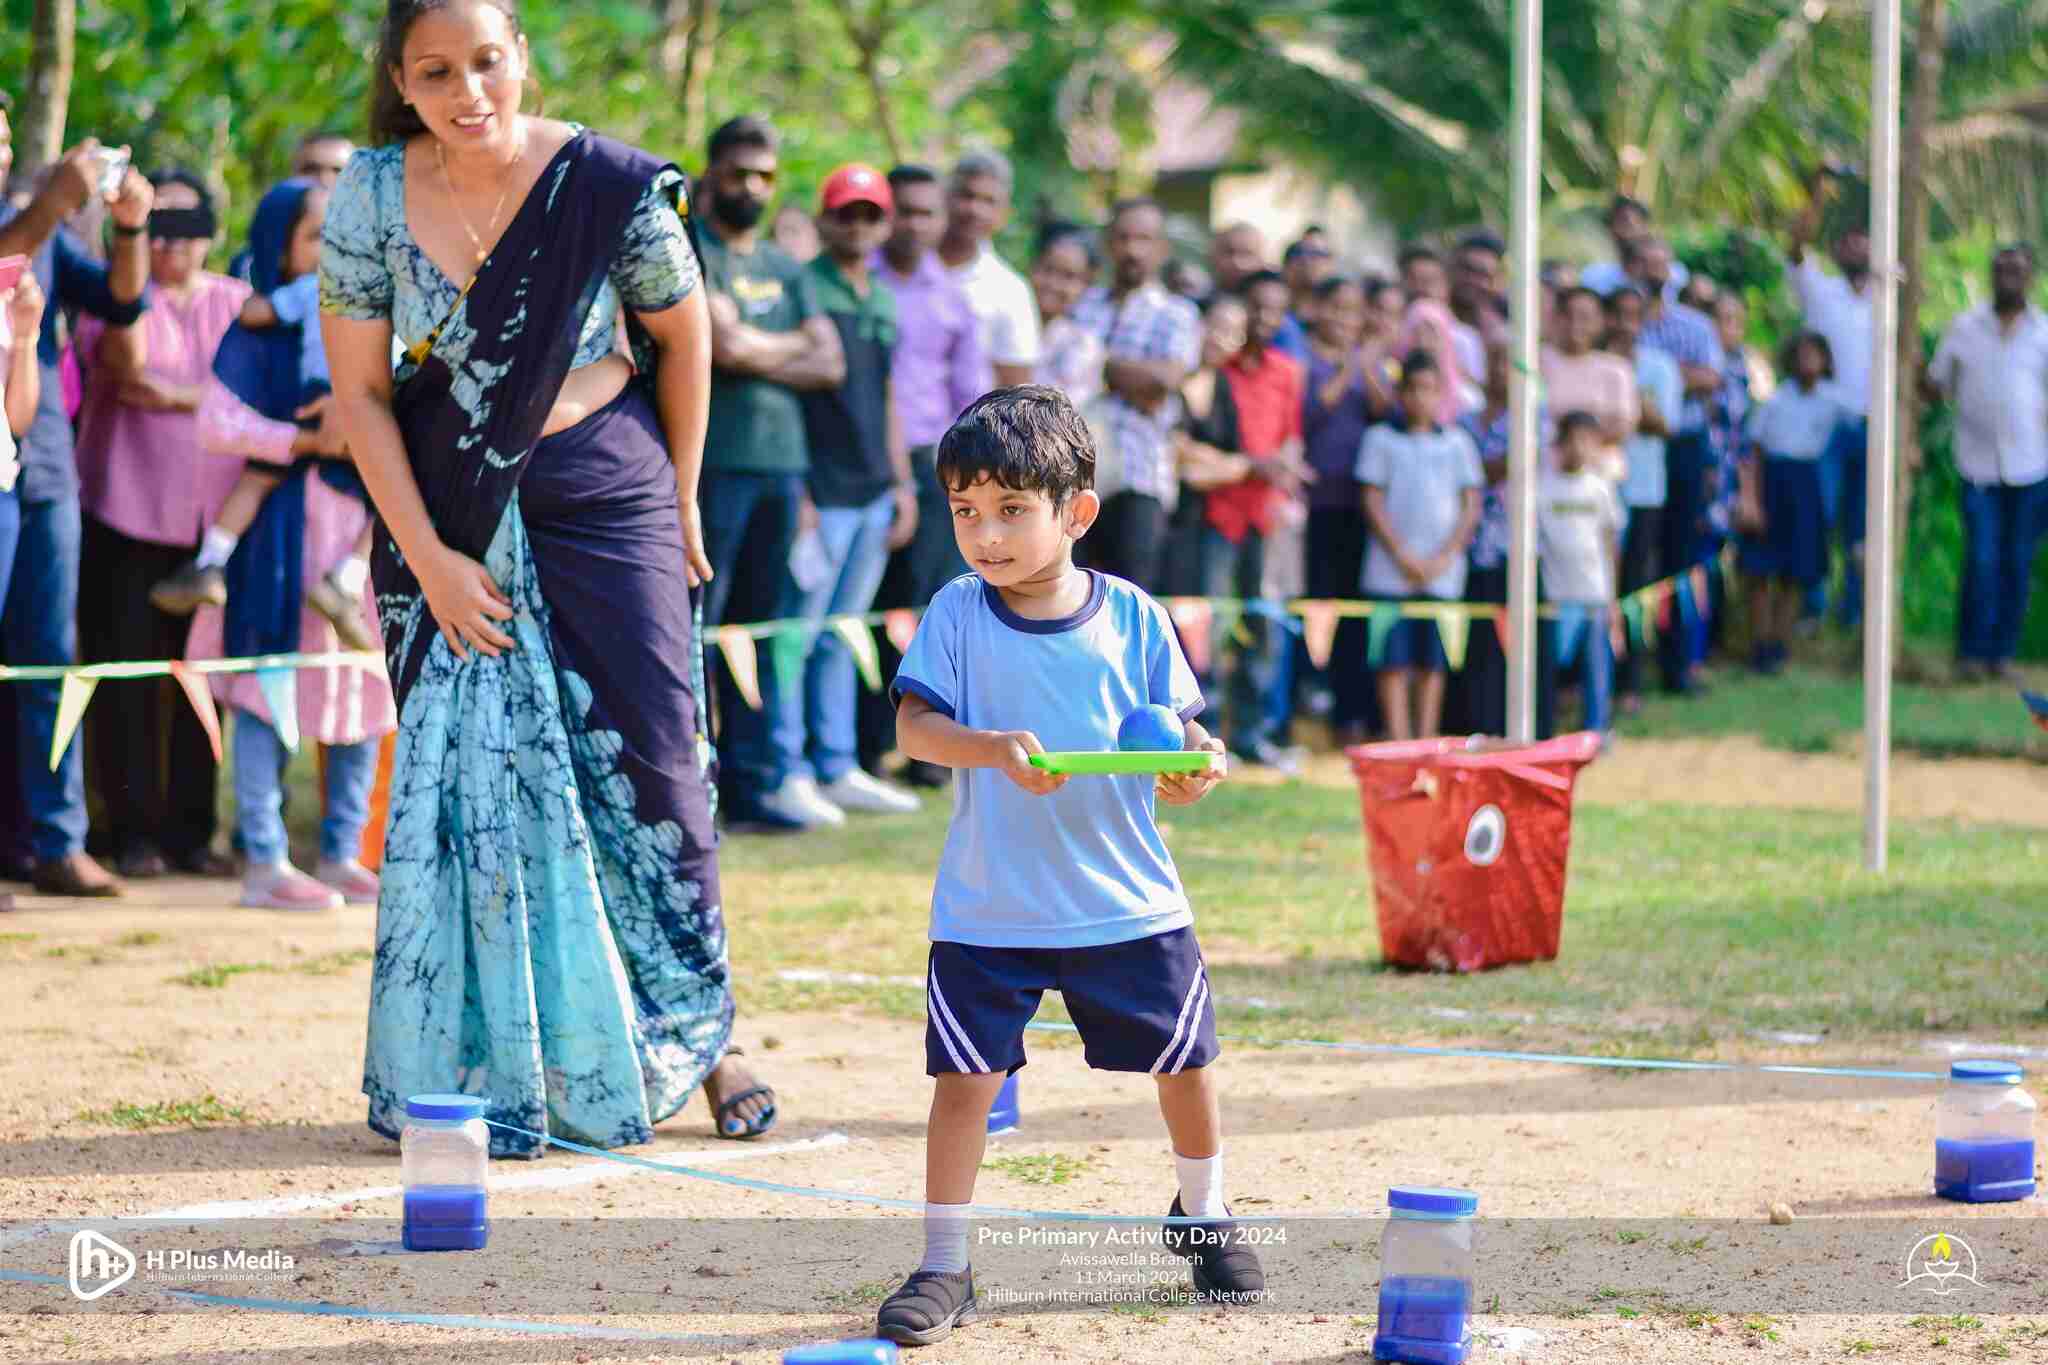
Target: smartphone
(113, 170)
(12, 268)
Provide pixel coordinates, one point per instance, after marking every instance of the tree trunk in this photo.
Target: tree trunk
(698, 55)
(671, 53)
(39, 125)
(1929, 39)
(869, 35)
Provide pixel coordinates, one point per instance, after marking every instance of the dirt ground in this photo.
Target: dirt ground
(1626, 1211)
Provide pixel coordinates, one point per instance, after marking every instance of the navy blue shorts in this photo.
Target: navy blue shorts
(1140, 1006)
(1794, 544)
(1415, 642)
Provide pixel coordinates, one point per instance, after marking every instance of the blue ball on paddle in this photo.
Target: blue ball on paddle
(1151, 729)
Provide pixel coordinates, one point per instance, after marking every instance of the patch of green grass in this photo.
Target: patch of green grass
(1762, 1327)
(204, 1111)
(1143, 1312)
(1859, 1347)
(140, 938)
(1624, 1311)
(866, 1295)
(1051, 1168)
(1687, 1246)
(1813, 708)
(217, 974)
(1686, 928)
(1995, 1350)
(1699, 1317)
(1960, 1322)
(1628, 1237)
(17, 938)
(81, 952)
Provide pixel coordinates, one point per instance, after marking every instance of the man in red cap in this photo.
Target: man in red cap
(860, 482)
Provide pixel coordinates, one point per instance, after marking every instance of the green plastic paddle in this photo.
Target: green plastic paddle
(1125, 761)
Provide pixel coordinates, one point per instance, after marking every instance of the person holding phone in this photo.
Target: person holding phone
(40, 530)
(21, 315)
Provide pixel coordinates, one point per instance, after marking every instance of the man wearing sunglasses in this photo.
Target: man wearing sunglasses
(771, 343)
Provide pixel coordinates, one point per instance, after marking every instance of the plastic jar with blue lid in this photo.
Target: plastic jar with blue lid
(1426, 1276)
(1984, 1134)
(868, 1352)
(444, 1153)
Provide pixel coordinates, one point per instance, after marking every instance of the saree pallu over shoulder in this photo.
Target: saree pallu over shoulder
(549, 933)
(472, 411)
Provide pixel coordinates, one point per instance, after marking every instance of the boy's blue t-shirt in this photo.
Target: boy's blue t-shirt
(1086, 865)
(297, 304)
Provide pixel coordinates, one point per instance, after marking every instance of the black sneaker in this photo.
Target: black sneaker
(1226, 1269)
(927, 1308)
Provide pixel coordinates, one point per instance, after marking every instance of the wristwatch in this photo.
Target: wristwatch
(123, 230)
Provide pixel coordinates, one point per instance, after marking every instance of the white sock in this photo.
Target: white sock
(1201, 1185)
(217, 547)
(945, 1237)
(351, 574)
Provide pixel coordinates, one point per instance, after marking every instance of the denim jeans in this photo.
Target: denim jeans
(2002, 523)
(259, 794)
(1843, 493)
(41, 627)
(1583, 636)
(1239, 570)
(811, 717)
(750, 523)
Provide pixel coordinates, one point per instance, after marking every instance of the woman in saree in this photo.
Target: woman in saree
(549, 933)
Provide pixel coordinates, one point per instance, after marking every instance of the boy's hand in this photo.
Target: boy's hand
(1184, 789)
(1019, 746)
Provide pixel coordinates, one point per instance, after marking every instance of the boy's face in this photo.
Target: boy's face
(1012, 537)
(1421, 393)
(1578, 449)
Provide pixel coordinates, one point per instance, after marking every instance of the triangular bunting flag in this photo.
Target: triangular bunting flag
(1571, 631)
(740, 660)
(1662, 595)
(1378, 626)
(201, 697)
(900, 625)
(281, 698)
(1226, 617)
(789, 646)
(72, 700)
(860, 642)
(1452, 627)
(1687, 611)
(1319, 631)
(1632, 620)
(1193, 618)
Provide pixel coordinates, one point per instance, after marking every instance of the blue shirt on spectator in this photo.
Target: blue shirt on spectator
(70, 279)
(1647, 483)
(1688, 337)
(1085, 865)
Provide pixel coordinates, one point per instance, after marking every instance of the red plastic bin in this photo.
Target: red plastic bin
(1467, 841)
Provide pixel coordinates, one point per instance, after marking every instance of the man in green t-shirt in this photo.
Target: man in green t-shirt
(770, 342)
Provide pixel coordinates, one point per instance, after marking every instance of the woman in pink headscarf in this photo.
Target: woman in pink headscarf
(1430, 326)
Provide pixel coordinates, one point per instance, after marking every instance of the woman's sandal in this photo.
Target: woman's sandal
(727, 1107)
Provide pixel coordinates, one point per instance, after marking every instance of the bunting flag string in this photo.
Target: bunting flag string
(1201, 622)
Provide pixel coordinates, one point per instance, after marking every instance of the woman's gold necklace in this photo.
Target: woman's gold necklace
(482, 252)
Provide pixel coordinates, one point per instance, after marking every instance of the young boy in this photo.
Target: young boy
(1578, 521)
(338, 595)
(1046, 884)
(1422, 482)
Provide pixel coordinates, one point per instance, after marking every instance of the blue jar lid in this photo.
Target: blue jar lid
(1985, 1072)
(1433, 1199)
(456, 1107)
(868, 1352)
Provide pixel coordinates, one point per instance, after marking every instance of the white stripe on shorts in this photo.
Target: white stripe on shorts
(1187, 1006)
(1194, 1025)
(943, 1017)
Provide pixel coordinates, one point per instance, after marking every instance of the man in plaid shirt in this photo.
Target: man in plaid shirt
(1152, 339)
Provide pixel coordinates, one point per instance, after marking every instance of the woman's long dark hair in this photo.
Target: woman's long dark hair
(391, 118)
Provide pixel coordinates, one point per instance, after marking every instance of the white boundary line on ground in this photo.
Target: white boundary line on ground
(557, 1177)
